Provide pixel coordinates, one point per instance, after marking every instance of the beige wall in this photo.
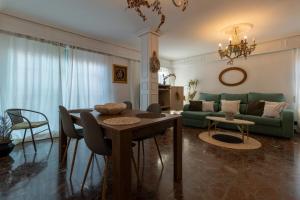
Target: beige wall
(268, 72)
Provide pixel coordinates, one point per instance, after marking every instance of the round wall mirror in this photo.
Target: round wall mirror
(238, 74)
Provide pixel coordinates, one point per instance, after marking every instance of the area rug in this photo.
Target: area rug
(230, 140)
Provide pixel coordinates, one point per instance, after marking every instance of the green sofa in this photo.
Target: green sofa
(282, 127)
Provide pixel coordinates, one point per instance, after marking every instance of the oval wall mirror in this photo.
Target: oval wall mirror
(233, 69)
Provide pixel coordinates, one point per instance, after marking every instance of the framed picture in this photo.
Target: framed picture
(119, 74)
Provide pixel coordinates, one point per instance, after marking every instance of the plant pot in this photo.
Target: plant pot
(6, 148)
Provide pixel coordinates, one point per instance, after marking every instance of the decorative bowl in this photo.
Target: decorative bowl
(111, 108)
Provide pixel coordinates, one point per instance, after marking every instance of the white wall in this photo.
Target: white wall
(268, 72)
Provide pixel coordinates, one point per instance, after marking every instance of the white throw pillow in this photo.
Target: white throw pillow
(230, 106)
(208, 106)
(274, 109)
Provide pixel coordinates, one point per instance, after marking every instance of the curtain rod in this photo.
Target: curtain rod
(20, 35)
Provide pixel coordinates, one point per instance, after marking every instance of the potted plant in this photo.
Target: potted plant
(6, 145)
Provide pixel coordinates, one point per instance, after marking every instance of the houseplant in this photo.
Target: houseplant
(6, 145)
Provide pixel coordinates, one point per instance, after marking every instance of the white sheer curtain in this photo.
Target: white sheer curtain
(86, 79)
(29, 77)
(41, 76)
(297, 85)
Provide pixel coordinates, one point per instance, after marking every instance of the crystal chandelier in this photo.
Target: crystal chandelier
(237, 47)
(156, 7)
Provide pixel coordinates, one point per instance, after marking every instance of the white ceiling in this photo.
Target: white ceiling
(193, 32)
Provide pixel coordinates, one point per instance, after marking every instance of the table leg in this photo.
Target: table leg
(177, 145)
(243, 132)
(62, 143)
(121, 169)
(209, 127)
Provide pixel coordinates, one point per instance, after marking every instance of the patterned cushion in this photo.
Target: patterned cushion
(25, 125)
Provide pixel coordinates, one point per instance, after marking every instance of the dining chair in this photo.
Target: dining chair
(128, 105)
(153, 108)
(98, 144)
(71, 133)
(20, 122)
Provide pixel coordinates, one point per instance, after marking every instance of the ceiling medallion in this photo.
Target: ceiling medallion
(156, 7)
(237, 47)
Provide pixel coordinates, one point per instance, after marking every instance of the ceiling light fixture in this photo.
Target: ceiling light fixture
(155, 5)
(237, 47)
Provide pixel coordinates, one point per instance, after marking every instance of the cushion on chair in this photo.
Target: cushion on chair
(25, 125)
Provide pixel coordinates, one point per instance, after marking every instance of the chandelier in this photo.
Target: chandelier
(156, 7)
(237, 47)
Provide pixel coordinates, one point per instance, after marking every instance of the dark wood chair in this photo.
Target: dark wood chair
(153, 108)
(71, 132)
(98, 144)
(20, 122)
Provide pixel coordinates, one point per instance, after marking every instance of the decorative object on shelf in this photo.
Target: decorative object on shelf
(237, 47)
(155, 6)
(192, 89)
(6, 145)
(154, 63)
(119, 74)
(244, 78)
(168, 76)
(111, 108)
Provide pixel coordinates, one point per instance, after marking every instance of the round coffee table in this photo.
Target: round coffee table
(242, 125)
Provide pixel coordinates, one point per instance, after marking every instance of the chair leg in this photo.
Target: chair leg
(143, 151)
(87, 170)
(135, 167)
(24, 136)
(162, 164)
(104, 184)
(50, 132)
(138, 157)
(65, 153)
(74, 157)
(33, 139)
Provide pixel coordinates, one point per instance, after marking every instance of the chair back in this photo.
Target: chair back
(94, 135)
(67, 123)
(15, 116)
(154, 108)
(128, 105)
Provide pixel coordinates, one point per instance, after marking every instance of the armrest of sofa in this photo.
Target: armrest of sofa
(287, 117)
(186, 107)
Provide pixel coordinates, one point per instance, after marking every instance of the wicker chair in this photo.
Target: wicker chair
(20, 122)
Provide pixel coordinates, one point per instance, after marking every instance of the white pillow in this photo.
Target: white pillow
(230, 106)
(274, 109)
(208, 106)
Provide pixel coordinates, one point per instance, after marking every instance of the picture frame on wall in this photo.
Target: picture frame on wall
(119, 74)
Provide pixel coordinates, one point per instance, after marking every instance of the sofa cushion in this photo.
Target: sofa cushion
(263, 120)
(195, 115)
(255, 108)
(222, 114)
(210, 97)
(195, 106)
(233, 97)
(276, 97)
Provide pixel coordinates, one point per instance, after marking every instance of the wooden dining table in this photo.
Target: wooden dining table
(122, 137)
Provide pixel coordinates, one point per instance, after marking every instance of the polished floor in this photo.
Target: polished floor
(209, 172)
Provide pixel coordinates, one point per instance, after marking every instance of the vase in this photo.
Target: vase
(6, 148)
(229, 116)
